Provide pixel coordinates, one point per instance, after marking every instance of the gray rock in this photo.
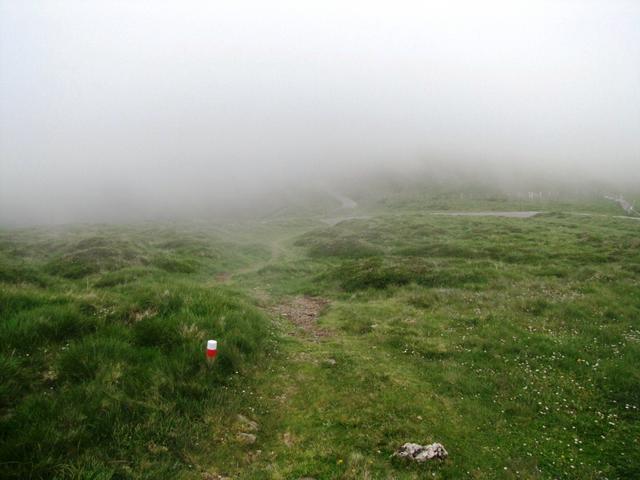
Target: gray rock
(246, 424)
(421, 453)
(247, 438)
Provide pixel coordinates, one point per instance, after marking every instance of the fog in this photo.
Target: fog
(132, 109)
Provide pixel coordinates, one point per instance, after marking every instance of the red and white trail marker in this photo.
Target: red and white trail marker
(212, 350)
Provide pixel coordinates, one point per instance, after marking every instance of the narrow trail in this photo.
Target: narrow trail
(288, 384)
(624, 204)
(276, 251)
(280, 386)
(276, 247)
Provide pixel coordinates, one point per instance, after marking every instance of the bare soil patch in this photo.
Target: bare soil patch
(223, 277)
(303, 312)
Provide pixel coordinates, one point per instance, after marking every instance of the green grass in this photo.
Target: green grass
(103, 372)
(514, 342)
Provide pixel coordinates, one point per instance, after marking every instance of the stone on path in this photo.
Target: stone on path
(421, 453)
(246, 424)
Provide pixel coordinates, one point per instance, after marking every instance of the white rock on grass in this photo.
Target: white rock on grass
(421, 453)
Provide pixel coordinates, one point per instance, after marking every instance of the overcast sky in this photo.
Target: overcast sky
(182, 102)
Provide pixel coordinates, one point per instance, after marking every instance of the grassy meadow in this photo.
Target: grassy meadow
(514, 342)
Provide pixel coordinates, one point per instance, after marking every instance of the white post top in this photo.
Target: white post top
(212, 345)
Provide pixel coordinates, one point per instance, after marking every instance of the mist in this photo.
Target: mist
(139, 109)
